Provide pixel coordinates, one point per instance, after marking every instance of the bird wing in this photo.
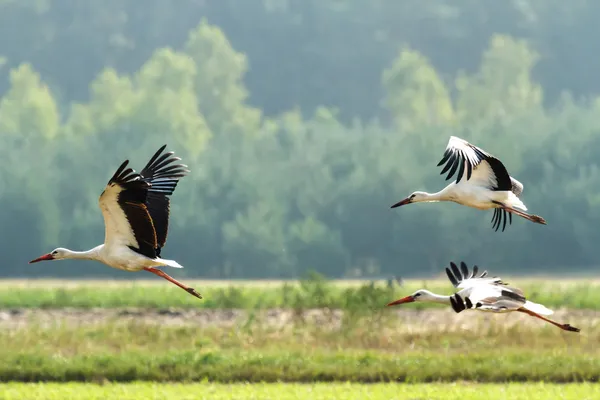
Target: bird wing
(516, 187)
(481, 167)
(492, 297)
(500, 217)
(488, 297)
(461, 278)
(490, 294)
(127, 221)
(162, 177)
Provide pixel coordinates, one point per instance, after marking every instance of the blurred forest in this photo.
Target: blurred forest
(302, 121)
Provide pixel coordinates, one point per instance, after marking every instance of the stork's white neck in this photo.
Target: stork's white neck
(443, 195)
(431, 197)
(91, 254)
(437, 298)
(426, 296)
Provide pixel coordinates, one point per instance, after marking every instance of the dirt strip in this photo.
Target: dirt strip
(410, 320)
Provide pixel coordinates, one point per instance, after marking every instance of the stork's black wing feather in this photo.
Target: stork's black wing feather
(162, 176)
(503, 181)
(458, 275)
(127, 178)
(461, 156)
(501, 217)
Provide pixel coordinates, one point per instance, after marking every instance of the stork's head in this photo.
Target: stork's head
(415, 197)
(419, 295)
(56, 254)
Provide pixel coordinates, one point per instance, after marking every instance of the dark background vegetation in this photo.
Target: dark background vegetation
(302, 122)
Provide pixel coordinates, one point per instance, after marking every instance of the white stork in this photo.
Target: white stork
(483, 294)
(136, 219)
(487, 184)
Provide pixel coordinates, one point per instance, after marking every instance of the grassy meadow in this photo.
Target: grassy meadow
(308, 293)
(151, 340)
(358, 349)
(318, 391)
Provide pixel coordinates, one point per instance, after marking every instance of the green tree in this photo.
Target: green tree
(315, 246)
(155, 106)
(415, 95)
(28, 111)
(219, 86)
(257, 237)
(29, 124)
(168, 104)
(503, 85)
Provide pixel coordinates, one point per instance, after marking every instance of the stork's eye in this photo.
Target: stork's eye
(54, 253)
(417, 294)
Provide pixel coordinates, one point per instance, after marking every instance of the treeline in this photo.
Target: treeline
(277, 196)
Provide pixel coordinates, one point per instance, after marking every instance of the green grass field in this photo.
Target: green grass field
(311, 366)
(360, 349)
(319, 391)
(279, 337)
(576, 294)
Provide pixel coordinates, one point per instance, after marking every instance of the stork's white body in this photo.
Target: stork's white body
(489, 293)
(122, 258)
(475, 196)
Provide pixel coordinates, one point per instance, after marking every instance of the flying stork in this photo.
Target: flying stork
(484, 294)
(135, 208)
(487, 184)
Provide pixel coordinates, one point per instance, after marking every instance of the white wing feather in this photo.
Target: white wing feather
(517, 187)
(118, 230)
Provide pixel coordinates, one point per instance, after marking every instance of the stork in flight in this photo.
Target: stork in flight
(484, 294)
(487, 184)
(136, 219)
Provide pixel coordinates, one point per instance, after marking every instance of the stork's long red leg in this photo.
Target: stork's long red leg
(160, 273)
(531, 217)
(565, 327)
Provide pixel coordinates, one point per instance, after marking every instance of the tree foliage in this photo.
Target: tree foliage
(294, 163)
(416, 96)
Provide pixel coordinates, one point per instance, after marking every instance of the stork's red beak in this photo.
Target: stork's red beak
(401, 203)
(45, 257)
(407, 299)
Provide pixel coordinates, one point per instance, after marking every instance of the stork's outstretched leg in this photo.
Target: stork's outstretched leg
(160, 273)
(533, 218)
(565, 327)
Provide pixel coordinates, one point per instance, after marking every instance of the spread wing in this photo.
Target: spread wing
(480, 167)
(488, 297)
(462, 278)
(162, 176)
(482, 292)
(136, 207)
(127, 221)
